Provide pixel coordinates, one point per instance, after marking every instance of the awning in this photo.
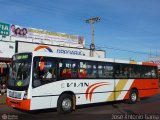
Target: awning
(6, 60)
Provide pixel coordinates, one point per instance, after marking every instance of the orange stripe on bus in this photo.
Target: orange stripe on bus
(146, 87)
(20, 104)
(40, 47)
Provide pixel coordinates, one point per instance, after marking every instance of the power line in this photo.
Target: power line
(123, 50)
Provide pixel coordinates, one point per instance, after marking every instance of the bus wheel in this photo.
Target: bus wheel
(133, 97)
(65, 104)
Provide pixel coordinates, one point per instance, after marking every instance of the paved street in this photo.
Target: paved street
(111, 110)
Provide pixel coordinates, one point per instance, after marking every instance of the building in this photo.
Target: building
(13, 38)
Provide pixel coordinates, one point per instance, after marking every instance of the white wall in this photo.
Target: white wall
(29, 47)
(7, 49)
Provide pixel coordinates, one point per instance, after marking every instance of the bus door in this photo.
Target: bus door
(44, 74)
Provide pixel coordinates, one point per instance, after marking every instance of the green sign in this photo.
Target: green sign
(22, 57)
(4, 29)
(19, 83)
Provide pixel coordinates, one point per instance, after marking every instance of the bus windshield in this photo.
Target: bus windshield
(20, 72)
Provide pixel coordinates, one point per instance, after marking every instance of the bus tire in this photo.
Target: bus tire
(133, 96)
(65, 104)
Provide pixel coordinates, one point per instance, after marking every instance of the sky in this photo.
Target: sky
(128, 29)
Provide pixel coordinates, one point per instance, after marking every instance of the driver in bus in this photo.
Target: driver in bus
(48, 75)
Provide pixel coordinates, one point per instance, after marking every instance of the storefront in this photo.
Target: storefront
(7, 49)
(4, 73)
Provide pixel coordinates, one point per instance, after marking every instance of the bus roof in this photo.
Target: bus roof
(50, 54)
(37, 53)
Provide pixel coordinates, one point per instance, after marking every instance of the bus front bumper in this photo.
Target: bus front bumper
(20, 104)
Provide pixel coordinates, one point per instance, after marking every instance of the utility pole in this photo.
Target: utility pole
(156, 53)
(150, 53)
(92, 21)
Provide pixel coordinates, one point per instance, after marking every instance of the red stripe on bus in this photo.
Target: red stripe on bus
(149, 63)
(91, 92)
(87, 91)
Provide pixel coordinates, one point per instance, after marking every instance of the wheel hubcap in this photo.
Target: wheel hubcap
(134, 97)
(66, 104)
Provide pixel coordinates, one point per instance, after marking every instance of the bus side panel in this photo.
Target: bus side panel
(96, 91)
(42, 96)
(93, 98)
(40, 102)
(87, 91)
(121, 88)
(147, 93)
(54, 101)
(146, 87)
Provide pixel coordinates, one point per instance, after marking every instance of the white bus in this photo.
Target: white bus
(40, 80)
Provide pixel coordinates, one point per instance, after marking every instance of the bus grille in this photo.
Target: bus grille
(15, 94)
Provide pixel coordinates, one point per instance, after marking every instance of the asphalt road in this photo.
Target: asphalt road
(143, 109)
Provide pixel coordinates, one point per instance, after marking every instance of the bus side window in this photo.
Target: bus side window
(131, 71)
(44, 72)
(109, 69)
(91, 69)
(137, 71)
(82, 72)
(68, 69)
(105, 70)
(101, 70)
(153, 72)
(148, 72)
(121, 71)
(117, 69)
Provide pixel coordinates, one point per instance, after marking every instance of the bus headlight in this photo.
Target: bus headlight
(25, 95)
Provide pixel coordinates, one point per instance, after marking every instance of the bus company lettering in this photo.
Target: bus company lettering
(82, 84)
(72, 52)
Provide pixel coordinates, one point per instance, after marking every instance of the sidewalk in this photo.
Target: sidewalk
(2, 99)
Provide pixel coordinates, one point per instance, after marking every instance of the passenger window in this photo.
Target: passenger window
(146, 73)
(68, 69)
(105, 70)
(137, 71)
(149, 72)
(82, 70)
(87, 69)
(124, 71)
(91, 70)
(154, 72)
(131, 71)
(44, 71)
(121, 71)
